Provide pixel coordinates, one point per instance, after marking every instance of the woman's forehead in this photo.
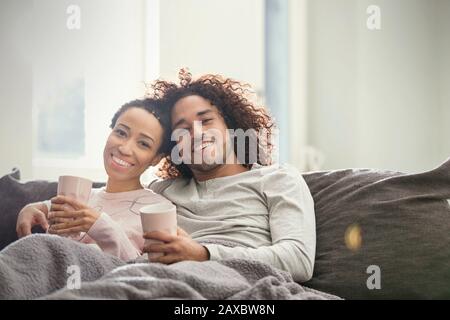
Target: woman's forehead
(141, 120)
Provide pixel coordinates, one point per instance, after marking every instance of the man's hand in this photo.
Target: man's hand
(176, 248)
(68, 216)
(31, 215)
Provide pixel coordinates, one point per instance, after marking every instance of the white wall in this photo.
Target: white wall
(15, 86)
(213, 36)
(444, 24)
(398, 87)
(374, 95)
(332, 80)
(299, 84)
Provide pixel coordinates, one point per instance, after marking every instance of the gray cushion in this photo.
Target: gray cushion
(14, 195)
(404, 223)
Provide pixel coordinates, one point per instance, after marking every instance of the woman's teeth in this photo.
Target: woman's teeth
(121, 163)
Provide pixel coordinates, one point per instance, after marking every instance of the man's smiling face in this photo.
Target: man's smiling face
(207, 132)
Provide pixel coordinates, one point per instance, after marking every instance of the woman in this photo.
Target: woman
(139, 139)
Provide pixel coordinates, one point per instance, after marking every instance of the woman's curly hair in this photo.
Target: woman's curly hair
(235, 102)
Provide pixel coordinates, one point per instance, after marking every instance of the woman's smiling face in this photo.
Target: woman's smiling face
(132, 145)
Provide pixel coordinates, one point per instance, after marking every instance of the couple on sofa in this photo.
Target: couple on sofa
(234, 194)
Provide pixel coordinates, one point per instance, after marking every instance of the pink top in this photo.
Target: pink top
(118, 230)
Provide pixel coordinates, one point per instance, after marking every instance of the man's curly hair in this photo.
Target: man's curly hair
(236, 104)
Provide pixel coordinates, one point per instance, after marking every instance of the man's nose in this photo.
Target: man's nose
(198, 137)
(197, 129)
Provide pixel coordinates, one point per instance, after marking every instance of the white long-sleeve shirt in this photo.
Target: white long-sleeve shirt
(268, 211)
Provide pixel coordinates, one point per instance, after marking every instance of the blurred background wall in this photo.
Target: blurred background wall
(379, 98)
(15, 86)
(444, 49)
(343, 95)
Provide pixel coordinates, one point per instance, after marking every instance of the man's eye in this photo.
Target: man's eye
(206, 120)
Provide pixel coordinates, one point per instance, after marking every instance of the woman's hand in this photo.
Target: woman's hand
(176, 248)
(68, 216)
(31, 215)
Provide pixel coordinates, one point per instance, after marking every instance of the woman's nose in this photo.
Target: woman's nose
(125, 149)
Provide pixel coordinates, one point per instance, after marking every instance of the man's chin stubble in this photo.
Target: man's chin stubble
(203, 167)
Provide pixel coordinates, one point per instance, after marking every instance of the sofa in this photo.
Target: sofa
(380, 234)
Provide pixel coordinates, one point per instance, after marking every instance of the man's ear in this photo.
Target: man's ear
(156, 160)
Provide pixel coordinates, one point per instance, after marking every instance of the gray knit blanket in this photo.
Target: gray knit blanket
(51, 267)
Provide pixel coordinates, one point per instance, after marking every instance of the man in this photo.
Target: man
(265, 212)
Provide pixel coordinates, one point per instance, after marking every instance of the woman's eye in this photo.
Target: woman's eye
(206, 120)
(120, 132)
(144, 144)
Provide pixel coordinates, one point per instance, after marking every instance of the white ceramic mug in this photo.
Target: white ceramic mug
(158, 217)
(76, 188)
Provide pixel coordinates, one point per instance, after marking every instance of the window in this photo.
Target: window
(82, 76)
(60, 117)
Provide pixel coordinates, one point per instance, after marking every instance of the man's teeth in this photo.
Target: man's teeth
(203, 145)
(207, 144)
(121, 162)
